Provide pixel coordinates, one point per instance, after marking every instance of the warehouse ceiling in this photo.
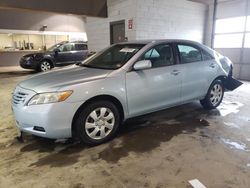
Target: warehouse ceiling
(95, 8)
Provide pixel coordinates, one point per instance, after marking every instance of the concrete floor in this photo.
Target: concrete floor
(164, 149)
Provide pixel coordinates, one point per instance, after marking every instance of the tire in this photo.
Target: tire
(214, 95)
(97, 123)
(45, 66)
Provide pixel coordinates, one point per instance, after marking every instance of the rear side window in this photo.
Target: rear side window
(80, 47)
(189, 54)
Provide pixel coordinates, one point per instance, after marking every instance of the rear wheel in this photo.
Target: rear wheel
(97, 122)
(214, 96)
(45, 66)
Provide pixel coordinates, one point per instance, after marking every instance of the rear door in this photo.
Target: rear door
(81, 52)
(198, 71)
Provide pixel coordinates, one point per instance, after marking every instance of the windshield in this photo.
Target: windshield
(114, 57)
(52, 48)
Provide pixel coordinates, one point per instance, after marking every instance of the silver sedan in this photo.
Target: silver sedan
(89, 101)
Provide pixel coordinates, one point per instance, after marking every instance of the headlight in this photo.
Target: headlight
(29, 58)
(45, 98)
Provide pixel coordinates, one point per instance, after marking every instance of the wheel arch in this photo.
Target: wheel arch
(222, 78)
(110, 98)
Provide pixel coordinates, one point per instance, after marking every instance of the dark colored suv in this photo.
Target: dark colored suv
(61, 54)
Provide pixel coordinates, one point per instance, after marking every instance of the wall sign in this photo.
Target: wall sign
(130, 24)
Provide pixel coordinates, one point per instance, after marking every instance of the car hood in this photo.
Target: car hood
(34, 54)
(38, 54)
(54, 80)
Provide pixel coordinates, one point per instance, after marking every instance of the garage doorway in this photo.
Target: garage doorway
(117, 32)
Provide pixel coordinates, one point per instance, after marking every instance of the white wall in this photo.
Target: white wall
(170, 19)
(98, 29)
(152, 19)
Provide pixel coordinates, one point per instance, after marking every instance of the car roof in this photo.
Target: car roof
(76, 42)
(160, 41)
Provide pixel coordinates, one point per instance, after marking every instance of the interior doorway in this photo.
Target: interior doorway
(117, 32)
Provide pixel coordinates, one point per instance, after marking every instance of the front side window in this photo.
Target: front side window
(114, 57)
(54, 47)
(161, 55)
(189, 54)
(67, 47)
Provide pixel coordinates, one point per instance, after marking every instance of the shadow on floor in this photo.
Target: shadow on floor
(139, 135)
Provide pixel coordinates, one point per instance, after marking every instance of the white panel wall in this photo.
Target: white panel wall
(152, 19)
(170, 19)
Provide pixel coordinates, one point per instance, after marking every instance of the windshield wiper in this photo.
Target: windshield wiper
(88, 66)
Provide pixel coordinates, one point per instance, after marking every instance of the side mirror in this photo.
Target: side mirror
(56, 51)
(141, 65)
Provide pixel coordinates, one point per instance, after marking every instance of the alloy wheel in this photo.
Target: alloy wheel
(45, 66)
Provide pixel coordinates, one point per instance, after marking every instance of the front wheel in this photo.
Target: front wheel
(97, 122)
(45, 66)
(214, 95)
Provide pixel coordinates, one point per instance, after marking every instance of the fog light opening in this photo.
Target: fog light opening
(40, 129)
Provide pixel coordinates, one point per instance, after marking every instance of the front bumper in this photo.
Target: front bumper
(46, 120)
(28, 63)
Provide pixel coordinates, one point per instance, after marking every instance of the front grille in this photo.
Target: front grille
(19, 97)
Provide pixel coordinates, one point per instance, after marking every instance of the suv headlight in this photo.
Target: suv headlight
(28, 58)
(53, 97)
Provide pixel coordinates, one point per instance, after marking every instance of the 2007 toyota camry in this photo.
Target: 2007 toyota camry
(90, 100)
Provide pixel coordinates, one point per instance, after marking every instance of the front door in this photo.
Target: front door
(66, 54)
(156, 88)
(117, 32)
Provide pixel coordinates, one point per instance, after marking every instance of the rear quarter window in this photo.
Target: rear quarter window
(206, 56)
(81, 47)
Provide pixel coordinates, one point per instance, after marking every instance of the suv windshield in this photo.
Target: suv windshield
(114, 57)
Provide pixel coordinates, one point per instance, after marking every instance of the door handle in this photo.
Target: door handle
(212, 65)
(175, 72)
